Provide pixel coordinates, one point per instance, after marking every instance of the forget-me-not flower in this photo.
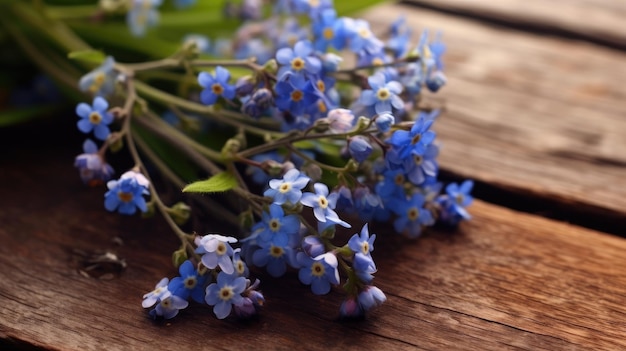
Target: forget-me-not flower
(215, 86)
(91, 166)
(383, 95)
(288, 189)
(189, 283)
(323, 204)
(94, 117)
(216, 251)
(126, 193)
(225, 293)
(319, 272)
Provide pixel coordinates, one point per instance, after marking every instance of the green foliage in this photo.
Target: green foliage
(218, 183)
(91, 56)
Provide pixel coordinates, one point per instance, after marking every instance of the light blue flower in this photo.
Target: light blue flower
(319, 272)
(215, 86)
(276, 228)
(363, 243)
(383, 95)
(412, 215)
(298, 60)
(384, 121)
(142, 14)
(323, 204)
(216, 251)
(225, 293)
(371, 297)
(160, 291)
(169, 307)
(100, 81)
(91, 165)
(289, 189)
(94, 117)
(359, 148)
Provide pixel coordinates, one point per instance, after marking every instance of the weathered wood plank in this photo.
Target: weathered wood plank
(600, 21)
(505, 280)
(531, 113)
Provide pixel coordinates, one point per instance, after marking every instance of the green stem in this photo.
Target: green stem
(320, 164)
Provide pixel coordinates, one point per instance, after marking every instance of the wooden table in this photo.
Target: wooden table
(536, 114)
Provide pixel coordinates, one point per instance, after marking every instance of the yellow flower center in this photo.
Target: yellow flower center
(377, 61)
(413, 213)
(328, 33)
(190, 282)
(320, 85)
(166, 303)
(364, 33)
(274, 225)
(226, 293)
(220, 249)
(95, 117)
(297, 64)
(365, 247)
(125, 197)
(321, 106)
(317, 269)
(98, 80)
(217, 89)
(323, 202)
(276, 251)
(459, 199)
(416, 139)
(399, 179)
(240, 267)
(296, 95)
(383, 94)
(418, 159)
(285, 187)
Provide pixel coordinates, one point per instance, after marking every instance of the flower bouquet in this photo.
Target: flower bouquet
(301, 125)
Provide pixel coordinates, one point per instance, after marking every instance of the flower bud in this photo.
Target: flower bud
(359, 148)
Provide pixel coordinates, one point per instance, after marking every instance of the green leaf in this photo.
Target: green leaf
(93, 56)
(220, 182)
(20, 115)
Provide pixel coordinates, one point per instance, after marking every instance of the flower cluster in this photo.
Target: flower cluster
(326, 145)
(220, 280)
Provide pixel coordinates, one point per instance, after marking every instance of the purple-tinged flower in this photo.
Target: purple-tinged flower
(298, 60)
(94, 117)
(364, 267)
(225, 293)
(323, 204)
(142, 14)
(359, 148)
(340, 120)
(383, 95)
(126, 193)
(216, 251)
(91, 165)
(189, 283)
(101, 80)
(169, 307)
(215, 86)
(371, 297)
(319, 272)
(252, 300)
(350, 308)
(412, 215)
(160, 291)
(313, 246)
(289, 189)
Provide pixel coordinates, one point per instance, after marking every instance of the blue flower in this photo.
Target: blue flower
(189, 283)
(94, 117)
(289, 189)
(369, 206)
(382, 95)
(312, 8)
(201, 42)
(364, 267)
(371, 297)
(276, 228)
(101, 80)
(414, 141)
(363, 243)
(295, 95)
(169, 307)
(360, 36)
(216, 251)
(299, 60)
(384, 121)
(275, 257)
(319, 272)
(328, 31)
(359, 148)
(453, 205)
(91, 165)
(323, 204)
(313, 246)
(412, 215)
(142, 14)
(225, 293)
(160, 291)
(215, 86)
(126, 193)
(241, 268)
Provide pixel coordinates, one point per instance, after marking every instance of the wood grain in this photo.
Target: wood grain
(600, 21)
(529, 113)
(505, 280)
